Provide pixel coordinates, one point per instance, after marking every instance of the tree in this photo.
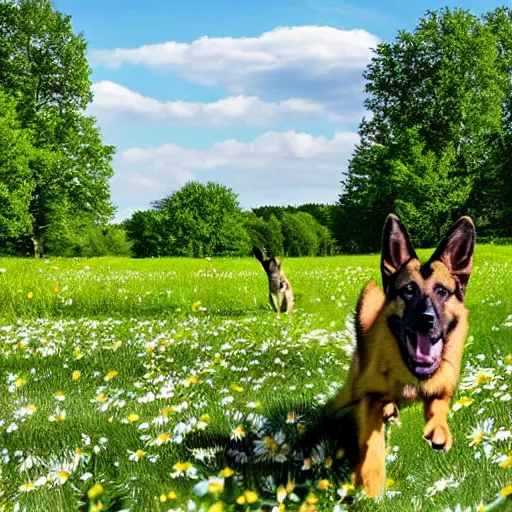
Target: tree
(16, 182)
(147, 232)
(265, 234)
(43, 66)
(275, 236)
(204, 220)
(444, 82)
(300, 234)
(498, 179)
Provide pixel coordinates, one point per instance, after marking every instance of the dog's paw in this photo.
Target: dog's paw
(370, 476)
(390, 412)
(439, 435)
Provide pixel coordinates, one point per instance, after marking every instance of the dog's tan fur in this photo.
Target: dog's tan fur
(379, 382)
(280, 292)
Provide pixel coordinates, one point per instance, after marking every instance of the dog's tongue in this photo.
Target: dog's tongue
(425, 351)
(423, 344)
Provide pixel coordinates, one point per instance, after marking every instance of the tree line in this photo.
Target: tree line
(205, 219)
(436, 144)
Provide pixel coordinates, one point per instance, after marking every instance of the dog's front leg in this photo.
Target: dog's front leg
(437, 430)
(371, 470)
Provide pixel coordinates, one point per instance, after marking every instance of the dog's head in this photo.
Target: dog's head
(272, 265)
(426, 300)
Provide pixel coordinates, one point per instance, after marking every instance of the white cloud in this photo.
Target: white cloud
(114, 102)
(286, 161)
(304, 61)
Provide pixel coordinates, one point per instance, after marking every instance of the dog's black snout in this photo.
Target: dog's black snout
(427, 320)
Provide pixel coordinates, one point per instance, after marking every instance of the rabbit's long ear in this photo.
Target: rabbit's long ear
(258, 255)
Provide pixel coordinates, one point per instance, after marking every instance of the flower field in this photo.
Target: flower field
(122, 381)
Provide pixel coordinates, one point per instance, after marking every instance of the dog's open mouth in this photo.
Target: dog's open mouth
(424, 353)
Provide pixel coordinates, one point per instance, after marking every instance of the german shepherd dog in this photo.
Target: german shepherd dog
(280, 293)
(410, 339)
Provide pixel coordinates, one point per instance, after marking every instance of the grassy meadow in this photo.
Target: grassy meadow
(110, 365)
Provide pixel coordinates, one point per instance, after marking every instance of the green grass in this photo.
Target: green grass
(159, 344)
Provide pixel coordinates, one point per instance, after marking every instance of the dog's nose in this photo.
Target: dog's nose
(427, 320)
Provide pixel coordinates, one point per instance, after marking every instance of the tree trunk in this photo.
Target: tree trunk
(38, 249)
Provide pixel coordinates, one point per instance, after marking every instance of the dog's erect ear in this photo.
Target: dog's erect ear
(456, 251)
(396, 248)
(258, 255)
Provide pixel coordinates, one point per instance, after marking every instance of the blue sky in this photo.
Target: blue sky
(262, 96)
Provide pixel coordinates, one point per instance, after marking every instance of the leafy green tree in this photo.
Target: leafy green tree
(444, 82)
(147, 232)
(264, 234)
(256, 228)
(43, 65)
(428, 189)
(16, 184)
(495, 185)
(300, 234)
(275, 236)
(204, 220)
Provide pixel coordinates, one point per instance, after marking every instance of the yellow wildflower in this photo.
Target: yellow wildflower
(215, 485)
(507, 462)
(238, 433)
(181, 466)
(311, 499)
(95, 491)
(27, 487)
(163, 438)
(251, 496)
(506, 491)
(323, 484)
(30, 295)
(227, 472)
(111, 374)
(132, 418)
(483, 378)
(217, 507)
(76, 375)
(464, 401)
(196, 305)
(281, 493)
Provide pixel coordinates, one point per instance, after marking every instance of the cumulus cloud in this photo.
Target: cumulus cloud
(114, 102)
(303, 61)
(275, 164)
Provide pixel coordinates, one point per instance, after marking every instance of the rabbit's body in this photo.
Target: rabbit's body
(280, 294)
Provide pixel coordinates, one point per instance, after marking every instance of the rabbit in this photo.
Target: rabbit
(280, 294)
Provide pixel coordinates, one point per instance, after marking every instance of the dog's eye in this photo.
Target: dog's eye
(442, 292)
(409, 291)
